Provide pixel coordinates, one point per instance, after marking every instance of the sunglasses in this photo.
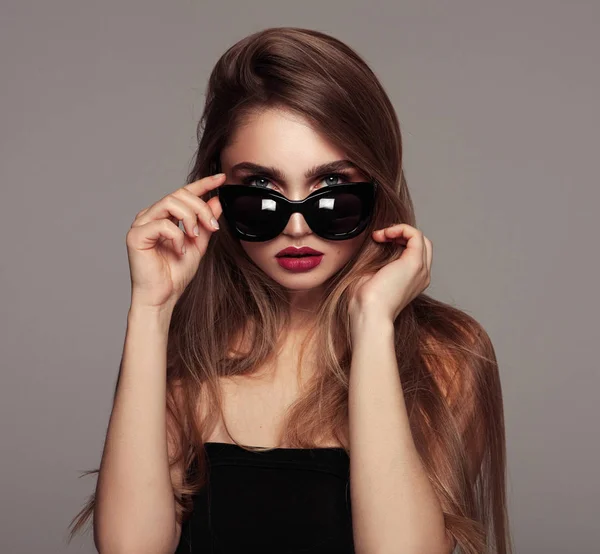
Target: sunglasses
(334, 212)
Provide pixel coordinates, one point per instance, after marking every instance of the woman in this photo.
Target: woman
(268, 402)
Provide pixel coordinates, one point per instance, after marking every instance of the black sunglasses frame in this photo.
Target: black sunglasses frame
(228, 193)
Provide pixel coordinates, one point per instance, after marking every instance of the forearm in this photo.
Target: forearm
(394, 506)
(135, 505)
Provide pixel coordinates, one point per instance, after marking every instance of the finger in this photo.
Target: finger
(429, 253)
(204, 210)
(420, 237)
(423, 249)
(399, 233)
(140, 213)
(173, 209)
(145, 237)
(393, 231)
(197, 188)
(202, 186)
(407, 235)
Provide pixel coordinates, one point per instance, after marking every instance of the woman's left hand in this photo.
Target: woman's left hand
(388, 291)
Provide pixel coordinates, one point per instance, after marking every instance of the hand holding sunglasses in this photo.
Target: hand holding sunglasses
(334, 212)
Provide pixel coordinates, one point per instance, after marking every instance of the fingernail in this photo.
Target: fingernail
(196, 231)
(214, 223)
(218, 176)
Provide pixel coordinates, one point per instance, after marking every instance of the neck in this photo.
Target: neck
(303, 307)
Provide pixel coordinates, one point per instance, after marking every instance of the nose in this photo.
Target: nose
(297, 226)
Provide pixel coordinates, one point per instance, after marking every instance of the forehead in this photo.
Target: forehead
(280, 139)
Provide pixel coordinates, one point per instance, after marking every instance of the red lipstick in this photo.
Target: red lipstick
(299, 259)
(293, 251)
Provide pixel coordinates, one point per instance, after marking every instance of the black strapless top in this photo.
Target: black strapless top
(284, 501)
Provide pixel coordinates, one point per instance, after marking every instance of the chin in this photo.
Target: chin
(300, 281)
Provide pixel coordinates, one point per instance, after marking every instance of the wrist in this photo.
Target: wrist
(160, 315)
(370, 318)
(365, 323)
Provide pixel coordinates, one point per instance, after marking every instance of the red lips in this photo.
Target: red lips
(293, 251)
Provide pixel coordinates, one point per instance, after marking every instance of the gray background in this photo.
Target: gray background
(498, 107)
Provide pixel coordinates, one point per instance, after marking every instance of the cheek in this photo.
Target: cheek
(255, 250)
(346, 249)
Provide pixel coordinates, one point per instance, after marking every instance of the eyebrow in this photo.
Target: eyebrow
(276, 173)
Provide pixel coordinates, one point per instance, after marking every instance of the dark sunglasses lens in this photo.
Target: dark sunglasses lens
(338, 213)
(255, 215)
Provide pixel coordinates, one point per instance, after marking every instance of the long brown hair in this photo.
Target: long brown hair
(447, 363)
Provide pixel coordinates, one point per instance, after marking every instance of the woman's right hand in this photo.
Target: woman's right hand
(160, 272)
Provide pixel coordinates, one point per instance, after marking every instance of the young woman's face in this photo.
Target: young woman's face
(286, 142)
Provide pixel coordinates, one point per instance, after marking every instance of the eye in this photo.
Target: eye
(260, 181)
(263, 182)
(345, 177)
